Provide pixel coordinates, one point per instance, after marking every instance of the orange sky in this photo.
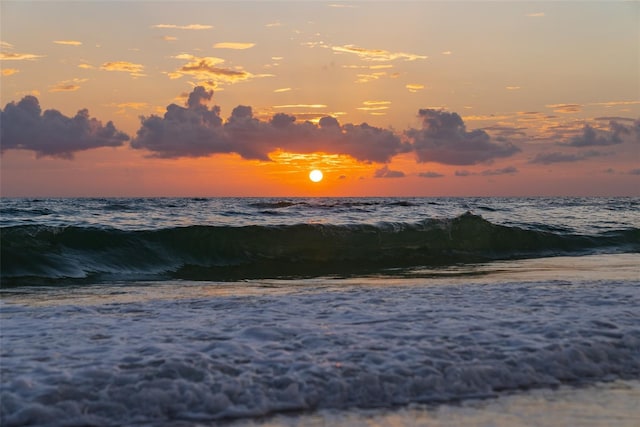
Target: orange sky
(386, 98)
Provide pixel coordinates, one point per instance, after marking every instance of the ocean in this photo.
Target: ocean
(319, 311)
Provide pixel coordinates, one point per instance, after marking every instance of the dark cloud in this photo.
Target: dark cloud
(557, 157)
(197, 130)
(430, 175)
(593, 137)
(445, 139)
(509, 170)
(385, 172)
(634, 172)
(24, 126)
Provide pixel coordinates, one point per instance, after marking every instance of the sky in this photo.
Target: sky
(386, 98)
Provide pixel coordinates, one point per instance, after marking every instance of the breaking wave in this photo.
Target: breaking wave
(39, 252)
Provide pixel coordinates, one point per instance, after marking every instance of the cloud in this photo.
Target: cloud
(376, 54)
(512, 87)
(26, 127)
(634, 172)
(300, 106)
(13, 56)
(206, 68)
(67, 85)
(414, 87)
(535, 14)
(135, 70)
(68, 42)
(592, 137)
(385, 172)
(509, 170)
(198, 131)
(232, 45)
(445, 139)
(9, 71)
(169, 38)
(558, 157)
(565, 108)
(430, 174)
(183, 27)
(283, 89)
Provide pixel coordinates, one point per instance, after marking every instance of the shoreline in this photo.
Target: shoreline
(597, 405)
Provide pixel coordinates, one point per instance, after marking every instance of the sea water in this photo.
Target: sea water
(174, 311)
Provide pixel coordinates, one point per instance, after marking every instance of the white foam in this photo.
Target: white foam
(157, 354)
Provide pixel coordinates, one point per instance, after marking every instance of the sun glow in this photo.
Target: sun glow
(315, 175)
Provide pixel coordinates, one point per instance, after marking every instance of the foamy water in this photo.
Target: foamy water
(115, 349)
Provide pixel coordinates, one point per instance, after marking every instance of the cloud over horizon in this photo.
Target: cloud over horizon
(197, 131)
(445, 139)
(24, 126)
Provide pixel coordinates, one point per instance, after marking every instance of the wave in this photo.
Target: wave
(38, 252)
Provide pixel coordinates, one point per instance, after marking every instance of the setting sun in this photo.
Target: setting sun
(315, 175)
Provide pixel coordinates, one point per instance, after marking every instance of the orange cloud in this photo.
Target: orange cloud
(376, 54)
(233, 45)
(68, 42)
(128, 67)
(414, 87)
(67, 85)
(183, 27)
(11, 56)
(9, 71)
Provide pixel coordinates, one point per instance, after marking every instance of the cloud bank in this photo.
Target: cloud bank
(445, 139)
(197, 130)
(24, 126)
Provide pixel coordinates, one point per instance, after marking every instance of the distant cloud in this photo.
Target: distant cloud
(414, 87)
(374, 106)
(385, 172)
(13, 56)
(445, 139)
(615, 103)
(634, 172)
(300, 106)
(446, 52)
(558, 157)
(342, 6)
(197, 130)
(206, 68)
(25, 127)
(509, 170)
(135, 70)
(169, 38)
(376, 54)
(282, 89)
(535, 14)
(67, 85)
(233, 45)
(512, 87)
(183, 27)
(430, 174)
(68, 42)
(565, 108)
(9, 71)
(592, 137)
(5, 45)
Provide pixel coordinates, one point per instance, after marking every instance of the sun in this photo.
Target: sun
(315, 175)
